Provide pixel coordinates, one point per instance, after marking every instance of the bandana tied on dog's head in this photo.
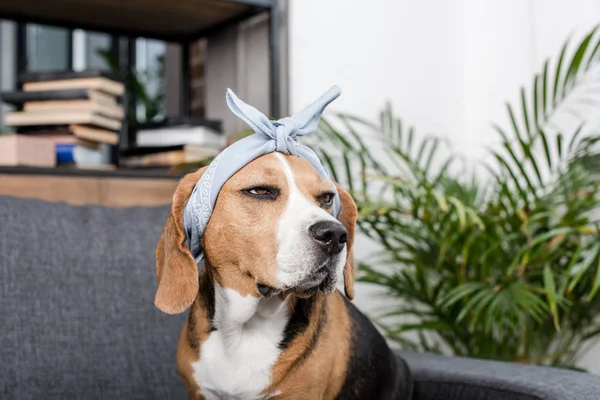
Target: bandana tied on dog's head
(269, 136)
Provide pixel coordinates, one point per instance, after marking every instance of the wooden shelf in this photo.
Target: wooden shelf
(174, 21)
(79, 187)
(96, 173)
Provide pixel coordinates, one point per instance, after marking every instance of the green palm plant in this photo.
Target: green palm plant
(507, 268)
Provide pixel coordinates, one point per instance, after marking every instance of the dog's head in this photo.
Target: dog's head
(271, 231)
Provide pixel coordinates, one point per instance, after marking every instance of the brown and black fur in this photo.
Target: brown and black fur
(329, 349)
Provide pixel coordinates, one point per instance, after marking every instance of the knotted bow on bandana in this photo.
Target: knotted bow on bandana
(269, 136)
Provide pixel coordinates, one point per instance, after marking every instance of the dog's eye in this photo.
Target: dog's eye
(259, 191)
(326, 198)
(262, 192)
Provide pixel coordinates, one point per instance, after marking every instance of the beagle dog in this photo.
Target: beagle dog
(265, 318)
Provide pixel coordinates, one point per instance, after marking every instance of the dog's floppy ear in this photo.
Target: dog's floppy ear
(176, 268)
(347, 217)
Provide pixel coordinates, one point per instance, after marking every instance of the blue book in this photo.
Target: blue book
(64, 153)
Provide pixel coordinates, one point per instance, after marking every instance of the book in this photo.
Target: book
(75, 132)
(141, 151)
(166, 156)
(173, 121)
(102, 108)
(56, 137)
(94, 134)
(198, 153)
(19, 98)
(61, 75)
(98, 83)
(88, 143)
(24, 150)
(50, 131)
(163, 159)
(189, 148)
(64, 153)
(23, 118)
(85, 156)
(180, 135)
(63, 142)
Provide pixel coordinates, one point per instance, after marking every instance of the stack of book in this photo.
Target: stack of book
(174, 141)
(75, 116)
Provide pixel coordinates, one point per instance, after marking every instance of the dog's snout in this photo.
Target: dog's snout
(330, 235)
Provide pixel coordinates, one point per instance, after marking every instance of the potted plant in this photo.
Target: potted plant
(505, 268)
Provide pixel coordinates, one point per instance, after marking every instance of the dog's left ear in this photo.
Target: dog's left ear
(176, 269)
(347, 217)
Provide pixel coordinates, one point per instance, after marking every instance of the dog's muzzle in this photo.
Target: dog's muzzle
(329, 239)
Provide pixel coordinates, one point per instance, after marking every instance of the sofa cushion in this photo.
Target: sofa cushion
(77, 318)
(455, 378)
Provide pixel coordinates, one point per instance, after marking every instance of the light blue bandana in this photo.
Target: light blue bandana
(268, 137)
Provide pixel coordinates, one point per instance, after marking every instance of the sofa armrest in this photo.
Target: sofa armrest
(453, 378)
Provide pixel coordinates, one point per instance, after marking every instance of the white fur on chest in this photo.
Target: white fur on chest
(236, 360)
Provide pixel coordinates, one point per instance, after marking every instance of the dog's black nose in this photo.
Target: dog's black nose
(330, 235)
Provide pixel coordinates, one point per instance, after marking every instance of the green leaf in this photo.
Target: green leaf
(421, 151)
(358, 120)
(545, 89)
(330, 165)
(399, 132)
(402, 312)
(461, 292)
(569, 269)
(544, 138)
(577, 58)
(557, 74)
(526, 113)
(423, 326)
(460, 210)
(515, 181)
(543, 238)
(591, 334)
(328, 129)
(475, 218)
(411, 135)
(536, 105)
(529, 302)
(349, 179)
(574, 139)
(583, 267)
(441, 200)
(474, 305)
(525, 147)
(432, 153)
(513, 121)
(550, 285)
(596, 283)
(364, 152)
(385, 120)
(559, 144)
(592, 58)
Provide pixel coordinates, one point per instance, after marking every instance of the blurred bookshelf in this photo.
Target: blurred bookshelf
(115, 141)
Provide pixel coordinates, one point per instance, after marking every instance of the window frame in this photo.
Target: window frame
(22, 62)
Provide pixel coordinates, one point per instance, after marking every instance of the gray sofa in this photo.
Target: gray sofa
(77, 319)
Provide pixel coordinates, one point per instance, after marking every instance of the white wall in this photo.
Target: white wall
(448, 67)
